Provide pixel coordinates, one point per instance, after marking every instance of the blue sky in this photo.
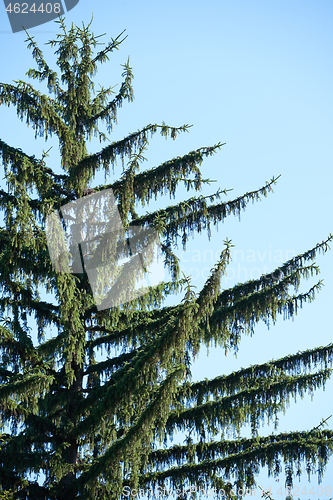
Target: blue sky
(258, 76)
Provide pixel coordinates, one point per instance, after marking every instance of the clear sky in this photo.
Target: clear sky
(258, 76)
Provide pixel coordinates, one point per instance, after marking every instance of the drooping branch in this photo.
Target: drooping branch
(38, 108)
(227, 385)
(124, 147)
(297, 447)
(194, 214)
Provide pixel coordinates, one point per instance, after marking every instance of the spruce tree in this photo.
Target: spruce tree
(100, 428)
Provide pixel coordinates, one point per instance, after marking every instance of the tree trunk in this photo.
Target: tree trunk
(70, 455)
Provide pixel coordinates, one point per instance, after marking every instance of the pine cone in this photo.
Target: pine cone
(88, 191)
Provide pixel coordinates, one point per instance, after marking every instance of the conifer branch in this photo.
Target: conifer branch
(41, 110)
(269, 396)
(294, 265)
(165, 178)
(16, 157)
(296, 446)
(265, 493)
(245, 378)
(114, 44)
(109, 112)
(323, 422)
(124, 147)
(194, 214)
(44, 70)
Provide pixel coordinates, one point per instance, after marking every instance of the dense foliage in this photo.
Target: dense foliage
(99, 427)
